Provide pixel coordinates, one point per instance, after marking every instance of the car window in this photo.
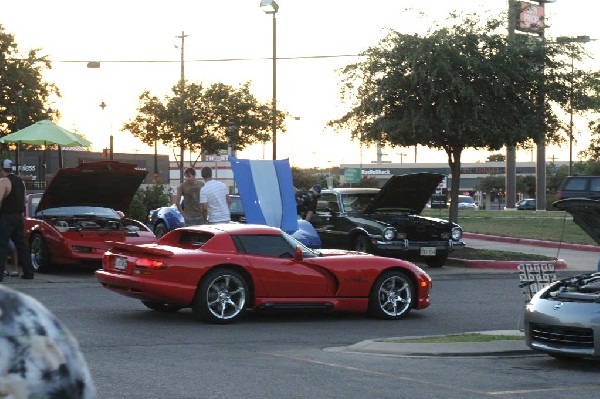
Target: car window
(236, 205)
(356, 202)
(274, 246)
(465, 200)
(80, 211)
(575, 183)
(194, 238)
(324, 200)
(595, 184)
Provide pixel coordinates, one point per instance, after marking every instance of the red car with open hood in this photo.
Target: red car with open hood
(80, 210)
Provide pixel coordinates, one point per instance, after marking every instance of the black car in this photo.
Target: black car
(527, 204)
(387, 221)
(579, 187)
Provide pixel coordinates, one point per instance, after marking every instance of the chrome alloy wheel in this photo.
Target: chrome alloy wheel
(226, 296)
(395, 296)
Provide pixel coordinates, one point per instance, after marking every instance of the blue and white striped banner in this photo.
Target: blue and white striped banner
(267, 192)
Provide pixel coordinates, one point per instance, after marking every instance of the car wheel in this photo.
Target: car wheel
(40, 257)
(362, 244)
(221, 296)
(436, 261)
(160, 230)
(392, 295)
(161, 307)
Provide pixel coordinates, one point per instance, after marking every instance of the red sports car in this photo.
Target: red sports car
(220, 270)
(79, 211)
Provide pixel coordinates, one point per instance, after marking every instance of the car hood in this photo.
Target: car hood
(585, 212)
(406, 192)
(109, 184)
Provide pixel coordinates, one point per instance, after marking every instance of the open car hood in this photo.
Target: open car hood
(109, 184)
(585, 212)
(406, 192)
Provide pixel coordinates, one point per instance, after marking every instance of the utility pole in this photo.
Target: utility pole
(511, 154)
(182, 88)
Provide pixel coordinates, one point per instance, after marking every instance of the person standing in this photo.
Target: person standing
(214, 199)
(306, 202)
(189, 190)
(12, 207)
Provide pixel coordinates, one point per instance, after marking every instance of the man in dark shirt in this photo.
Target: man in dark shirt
(12, 207)
(306, 201)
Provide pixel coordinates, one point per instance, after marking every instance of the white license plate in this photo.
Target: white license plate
(120, 263)
(427, 251)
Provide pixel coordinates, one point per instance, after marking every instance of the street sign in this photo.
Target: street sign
(352, 175)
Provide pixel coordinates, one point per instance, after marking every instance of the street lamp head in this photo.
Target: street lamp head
(269, 6)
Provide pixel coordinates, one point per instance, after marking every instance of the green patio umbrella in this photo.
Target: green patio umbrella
(46, 133)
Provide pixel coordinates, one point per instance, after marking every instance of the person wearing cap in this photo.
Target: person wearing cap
(12, 208)
(306, 202)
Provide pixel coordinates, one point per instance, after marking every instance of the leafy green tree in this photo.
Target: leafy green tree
(24, 95)
(458, 87)
(203, 120)
(147, 198)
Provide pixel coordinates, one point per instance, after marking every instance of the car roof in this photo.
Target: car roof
(237, 229)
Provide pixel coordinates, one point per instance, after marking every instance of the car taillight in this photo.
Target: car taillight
(149, 264)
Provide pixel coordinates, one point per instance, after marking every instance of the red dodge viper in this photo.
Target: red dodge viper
(220, 270)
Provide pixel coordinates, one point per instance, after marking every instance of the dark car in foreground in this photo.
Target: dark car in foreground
(221, 270)
(80, 210)
(387, 221)
(561, 319)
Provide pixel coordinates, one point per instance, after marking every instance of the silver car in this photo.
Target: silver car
(562, 318)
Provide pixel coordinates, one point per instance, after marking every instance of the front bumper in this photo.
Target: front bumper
(563, 328)
(415, 246)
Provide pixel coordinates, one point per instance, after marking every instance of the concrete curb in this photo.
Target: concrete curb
(391, 346)
(539, 243)
(507, 264)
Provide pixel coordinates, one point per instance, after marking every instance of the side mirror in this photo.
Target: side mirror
(298, 254)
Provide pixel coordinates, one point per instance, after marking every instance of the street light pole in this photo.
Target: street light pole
(271, 7)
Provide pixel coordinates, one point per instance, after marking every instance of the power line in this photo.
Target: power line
(214, 59)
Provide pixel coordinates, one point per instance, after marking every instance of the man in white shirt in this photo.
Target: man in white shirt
(214, 199)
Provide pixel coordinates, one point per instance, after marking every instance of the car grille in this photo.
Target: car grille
(573, 337)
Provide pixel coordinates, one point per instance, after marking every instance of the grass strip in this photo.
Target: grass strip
(454, 338)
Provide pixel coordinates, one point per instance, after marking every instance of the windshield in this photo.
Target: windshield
(357, 202)
(80, 212)
(306, 252)
(465, 200)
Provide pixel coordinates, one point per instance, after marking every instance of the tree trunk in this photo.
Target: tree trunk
(454, 163)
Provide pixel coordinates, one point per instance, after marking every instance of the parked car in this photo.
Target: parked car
(579, 187)
(71, 222)
(561, 320)
(162, 220)
(467, 202)
(221, 270)
(387, 221)
(527, 204)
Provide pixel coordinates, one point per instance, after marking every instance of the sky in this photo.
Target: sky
(139, 46)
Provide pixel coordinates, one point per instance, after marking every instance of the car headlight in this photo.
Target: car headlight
(457, 233)
(389, 233)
